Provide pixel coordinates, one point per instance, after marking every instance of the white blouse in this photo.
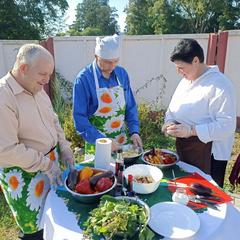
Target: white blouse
(209, 104)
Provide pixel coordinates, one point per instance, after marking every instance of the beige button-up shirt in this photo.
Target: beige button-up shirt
(29, 128)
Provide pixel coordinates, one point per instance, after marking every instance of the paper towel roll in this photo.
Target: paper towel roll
(103, 153)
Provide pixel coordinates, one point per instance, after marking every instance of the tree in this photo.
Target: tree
(167, 18)
(30, 19)
(138, 20)
(95, 16)
(210, 15)
(182, 16)
(12, 24)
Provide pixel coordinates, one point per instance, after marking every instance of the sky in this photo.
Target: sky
(118, 4)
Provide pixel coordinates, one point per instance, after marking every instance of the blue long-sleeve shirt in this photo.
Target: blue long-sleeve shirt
(85, 101)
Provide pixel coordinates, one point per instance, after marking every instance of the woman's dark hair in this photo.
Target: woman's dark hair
(186, 50)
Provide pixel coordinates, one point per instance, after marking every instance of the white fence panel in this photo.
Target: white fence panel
(146, 58)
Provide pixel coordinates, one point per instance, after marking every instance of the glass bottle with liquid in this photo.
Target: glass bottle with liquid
(119, 161)
(130, 191)
(119, 189)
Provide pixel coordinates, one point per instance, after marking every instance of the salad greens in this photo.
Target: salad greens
(120, 218)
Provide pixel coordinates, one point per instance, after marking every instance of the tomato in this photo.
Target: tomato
(168, 159)
(103, 184)
(84, 187)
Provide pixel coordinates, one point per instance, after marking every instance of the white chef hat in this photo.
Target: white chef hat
(108, 47)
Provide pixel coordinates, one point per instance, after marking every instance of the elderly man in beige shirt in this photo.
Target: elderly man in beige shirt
(30, 138)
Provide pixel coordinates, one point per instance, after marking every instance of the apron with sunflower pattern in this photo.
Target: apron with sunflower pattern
(110, 115)
(25, 194)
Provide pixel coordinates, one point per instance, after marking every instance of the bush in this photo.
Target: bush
(151, 120)
(62, 104)
(71, 133)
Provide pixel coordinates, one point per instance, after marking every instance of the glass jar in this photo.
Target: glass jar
(180, 196)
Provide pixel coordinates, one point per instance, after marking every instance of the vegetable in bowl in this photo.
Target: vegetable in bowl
(131, 153)
(91, 184)
(121, 216)
(161, 158)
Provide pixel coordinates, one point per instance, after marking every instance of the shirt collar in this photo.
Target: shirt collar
(14, 85)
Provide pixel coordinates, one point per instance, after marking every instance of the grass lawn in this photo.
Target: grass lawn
(235, 152)
(8, 228)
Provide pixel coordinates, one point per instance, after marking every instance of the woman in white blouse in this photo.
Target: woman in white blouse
(202, 112)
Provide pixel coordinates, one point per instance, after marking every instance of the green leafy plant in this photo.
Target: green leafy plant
(151, 115)
(62, 104)
(117, 218)
(71, 133)
(151, 121)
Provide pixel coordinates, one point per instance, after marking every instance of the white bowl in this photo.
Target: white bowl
(144, 170)
(161, 165)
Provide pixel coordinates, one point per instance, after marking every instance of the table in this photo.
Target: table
(61, 224)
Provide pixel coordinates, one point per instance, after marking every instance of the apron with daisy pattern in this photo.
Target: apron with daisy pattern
(109, 116)
(25, 194)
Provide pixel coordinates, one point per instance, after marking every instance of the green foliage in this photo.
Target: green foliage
(31, 19)
(166, 18)
(12, 23)
(86, 32)
(138, 20)
(95, 17)
(71, 133)
(151, 124)
(121, 217)
(209, 16)
(235, 152)
(62, 105)
(181, 16)
(8, 227)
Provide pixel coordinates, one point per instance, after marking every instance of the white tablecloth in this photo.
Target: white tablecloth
(60, 224)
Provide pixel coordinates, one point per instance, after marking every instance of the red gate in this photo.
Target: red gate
(48, 44)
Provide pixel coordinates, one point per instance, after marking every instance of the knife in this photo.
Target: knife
(197, 195)
(208, 204)
(210, 197)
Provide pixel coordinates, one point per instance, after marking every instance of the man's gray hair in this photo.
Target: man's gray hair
(28, 54)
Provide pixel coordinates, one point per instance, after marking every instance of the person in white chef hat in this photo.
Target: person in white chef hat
(103, 102)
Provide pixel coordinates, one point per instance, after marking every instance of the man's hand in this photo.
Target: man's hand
(179, 130)
(115, 146)
(136, 139)
(54, 174)
(67, 157)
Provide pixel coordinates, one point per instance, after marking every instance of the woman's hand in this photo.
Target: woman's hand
(180, 130)
(166, 125)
